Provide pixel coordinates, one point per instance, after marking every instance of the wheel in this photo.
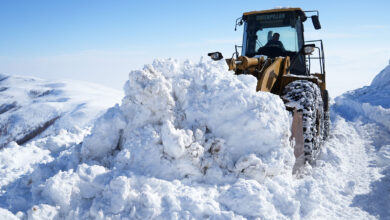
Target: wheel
(305, 96)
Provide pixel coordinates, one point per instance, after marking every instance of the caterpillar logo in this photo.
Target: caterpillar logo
(276, 16)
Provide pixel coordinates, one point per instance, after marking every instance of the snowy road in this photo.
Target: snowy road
(345, 173)
(376, 198)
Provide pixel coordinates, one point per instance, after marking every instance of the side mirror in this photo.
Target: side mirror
(215, 55)
(316, 22)
(308, 49)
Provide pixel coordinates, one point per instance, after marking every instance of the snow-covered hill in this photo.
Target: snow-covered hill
(188, 141)
(28, 106)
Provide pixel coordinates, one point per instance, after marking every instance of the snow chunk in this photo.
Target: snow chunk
(92, 180)
(61, 188)
(117, 193)
(5, 214)
(175, 141)
(105, 134)
(252, 167)
(43, 212)
(384, 156)
(17, 160)
(249, 198)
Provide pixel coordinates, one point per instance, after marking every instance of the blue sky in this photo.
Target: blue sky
(101, 41)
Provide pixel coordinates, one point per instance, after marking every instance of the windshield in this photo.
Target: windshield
(288, 37)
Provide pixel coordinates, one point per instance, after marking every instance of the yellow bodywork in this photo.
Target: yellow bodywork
(272, 74)
(298, 10)
(273, 11)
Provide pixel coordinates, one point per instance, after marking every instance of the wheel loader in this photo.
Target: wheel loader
(274, 51)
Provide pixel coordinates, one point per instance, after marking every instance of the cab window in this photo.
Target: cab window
(288, 37)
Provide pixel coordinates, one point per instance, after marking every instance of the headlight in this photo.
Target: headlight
(309, 50)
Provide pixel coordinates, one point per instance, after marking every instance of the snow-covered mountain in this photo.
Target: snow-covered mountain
(30, 106)
(187, 141)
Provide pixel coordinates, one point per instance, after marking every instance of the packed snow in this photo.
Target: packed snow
(368, 109)
(187, 141)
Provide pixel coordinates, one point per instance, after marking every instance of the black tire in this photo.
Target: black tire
(305, 96)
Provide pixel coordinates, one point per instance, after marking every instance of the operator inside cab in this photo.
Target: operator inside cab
(274, 47)
(274, 42)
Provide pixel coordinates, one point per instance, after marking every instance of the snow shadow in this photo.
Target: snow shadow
(377, 202)
(6, 107)
(3, 77)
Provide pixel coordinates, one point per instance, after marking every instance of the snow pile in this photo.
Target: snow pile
(192, 141)
(382, 80)
(195, 121)
(184, 134)
(370, 102)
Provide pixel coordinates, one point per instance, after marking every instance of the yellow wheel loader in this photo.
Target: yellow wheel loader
(274, 51)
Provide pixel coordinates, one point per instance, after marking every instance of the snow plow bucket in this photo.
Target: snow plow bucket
(297, 136)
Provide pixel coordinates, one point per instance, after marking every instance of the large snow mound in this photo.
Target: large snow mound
(198, 121)
(182, 136)
(370, 102)
(190, 141)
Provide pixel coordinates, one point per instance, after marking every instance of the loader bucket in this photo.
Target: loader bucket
(297, 135)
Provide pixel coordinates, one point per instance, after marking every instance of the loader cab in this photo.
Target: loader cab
(260, 26)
